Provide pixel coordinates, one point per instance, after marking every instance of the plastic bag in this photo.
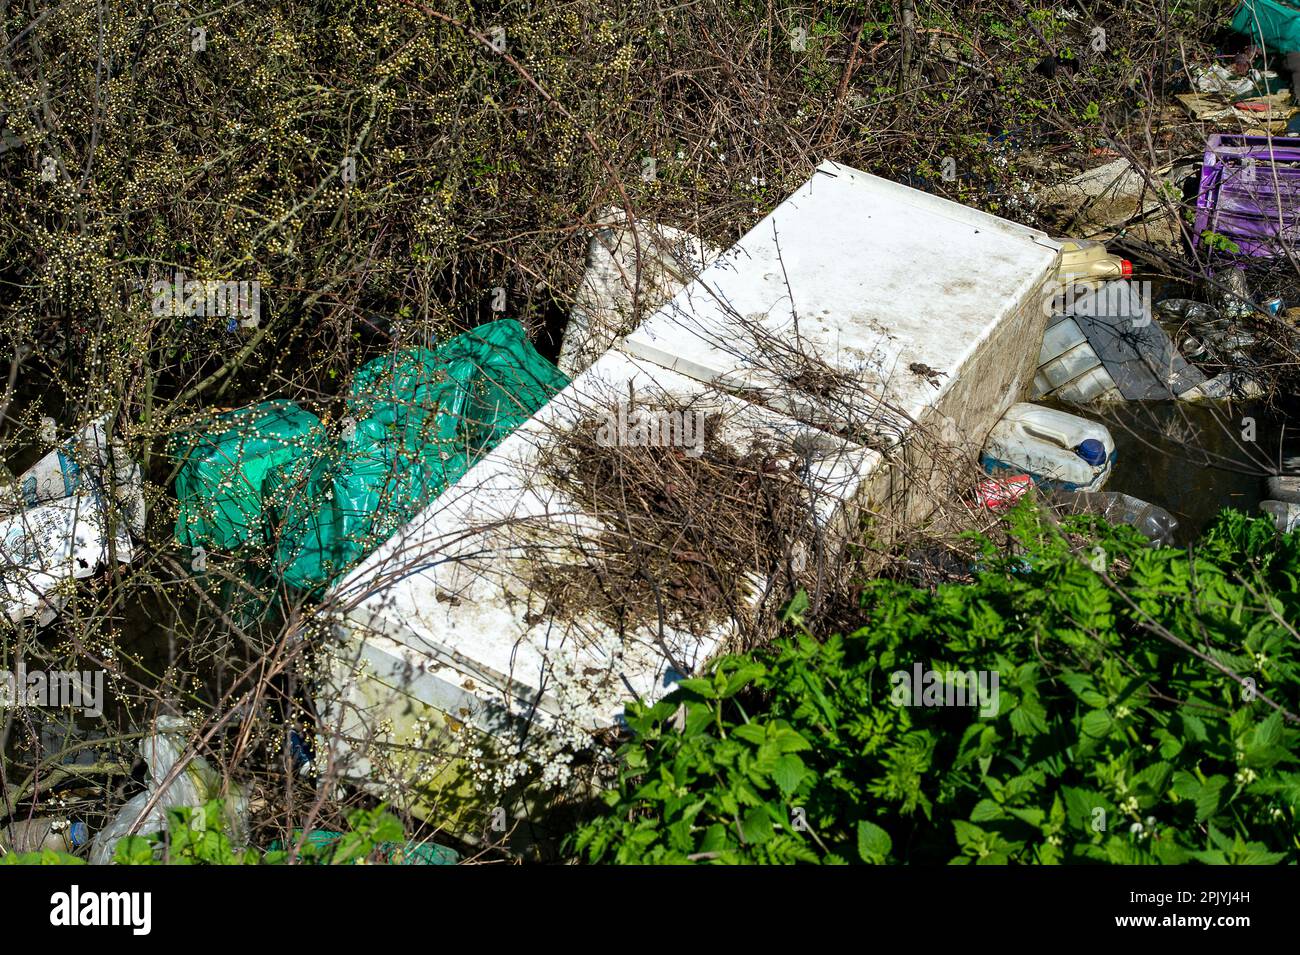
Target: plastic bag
(194, 786)
(81, 465)
(44, 547)
(59, 525)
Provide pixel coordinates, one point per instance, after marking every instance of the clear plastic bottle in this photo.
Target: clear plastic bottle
(1155, 523)
(44, 832)
(1285, 514)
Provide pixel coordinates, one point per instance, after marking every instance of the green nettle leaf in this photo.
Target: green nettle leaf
(789, 741)
(1093, 699)
(1097, 723)
(1154, 777)
(1031, 815)
(1110, 744)
(789, 772)
(874, 844)
(1027, 719)
(757, 826)
(797, 607)
(698, 686)
(714, 839)
(133, 850)
(966, 833)
(986, 810)
(1194, 726)
(1207, 797)
(741, 678)
(1262, 748)
(1255, 854)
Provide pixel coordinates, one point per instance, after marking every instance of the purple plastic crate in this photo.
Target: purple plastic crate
(1250, 193)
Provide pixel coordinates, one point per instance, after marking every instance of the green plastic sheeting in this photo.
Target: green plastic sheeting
(225, 469)
(415, 421)
(394, 853)
(1270, 24)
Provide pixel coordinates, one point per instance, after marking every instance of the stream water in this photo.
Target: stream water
(1193, 459)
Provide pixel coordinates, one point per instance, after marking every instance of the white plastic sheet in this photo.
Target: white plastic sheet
(195, 785)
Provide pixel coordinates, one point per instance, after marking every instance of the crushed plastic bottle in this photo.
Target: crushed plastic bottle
(1285, 514)
(1154, 523)
(50, 832)
(1186, 310)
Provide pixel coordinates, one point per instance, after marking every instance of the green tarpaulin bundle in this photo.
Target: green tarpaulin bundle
(1269, 23)
(415, 421)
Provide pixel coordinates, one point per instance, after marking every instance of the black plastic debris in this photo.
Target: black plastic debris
(1133, 348)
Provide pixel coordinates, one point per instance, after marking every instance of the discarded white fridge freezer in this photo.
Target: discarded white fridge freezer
(444, 625)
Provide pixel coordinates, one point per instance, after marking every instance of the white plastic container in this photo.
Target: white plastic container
(1059, 450)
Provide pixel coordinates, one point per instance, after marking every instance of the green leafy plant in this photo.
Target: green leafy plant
(193, 837)
(1218, 242)
(41, 857)
(1145, 714)
(199, 837)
